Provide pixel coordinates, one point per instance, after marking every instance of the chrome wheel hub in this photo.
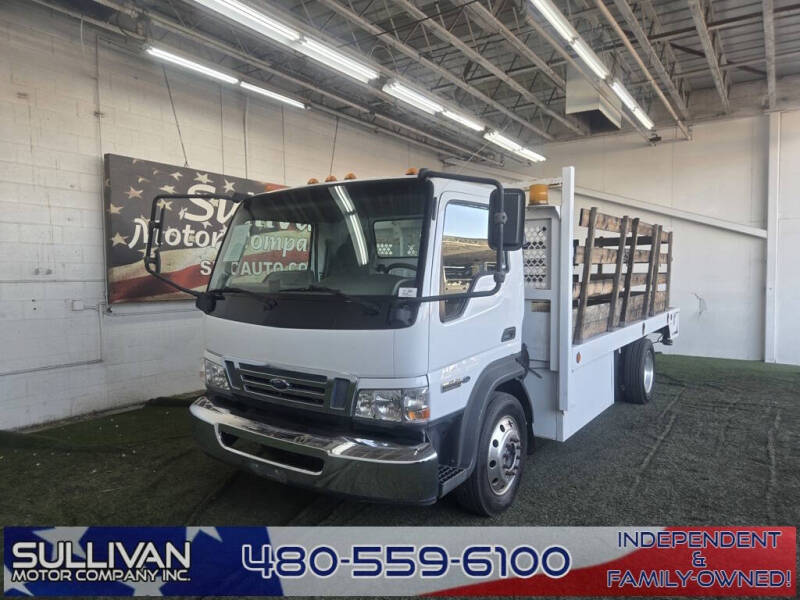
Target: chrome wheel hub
(504, 455)
(649, 372)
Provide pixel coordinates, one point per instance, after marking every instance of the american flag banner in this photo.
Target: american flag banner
(192, 232)
(400, 561)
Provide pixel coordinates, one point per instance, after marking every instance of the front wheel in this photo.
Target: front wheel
(502, 446)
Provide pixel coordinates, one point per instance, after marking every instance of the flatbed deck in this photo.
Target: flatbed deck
(616, 288)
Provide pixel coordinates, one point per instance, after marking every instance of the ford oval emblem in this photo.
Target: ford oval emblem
(280, 384)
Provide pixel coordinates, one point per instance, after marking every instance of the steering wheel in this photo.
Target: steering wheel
(387, 268)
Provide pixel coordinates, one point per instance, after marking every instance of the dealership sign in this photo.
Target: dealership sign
(386, 561)
(193, 229)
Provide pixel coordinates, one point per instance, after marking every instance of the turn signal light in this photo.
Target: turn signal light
(350, 176)
(312, 181)
(330, 178)
(419, 415)
(411, 171)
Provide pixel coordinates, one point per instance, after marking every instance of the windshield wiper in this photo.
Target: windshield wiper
(373, 309)
(269, 303)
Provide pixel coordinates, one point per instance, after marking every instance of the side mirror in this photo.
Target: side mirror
(513, 205)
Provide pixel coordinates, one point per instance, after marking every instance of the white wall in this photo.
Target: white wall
(51, 238)
(718, 275)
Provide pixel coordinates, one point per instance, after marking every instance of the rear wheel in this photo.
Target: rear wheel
(502, 446)
(638, 371)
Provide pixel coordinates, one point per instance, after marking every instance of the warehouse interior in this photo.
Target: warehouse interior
(702, 134)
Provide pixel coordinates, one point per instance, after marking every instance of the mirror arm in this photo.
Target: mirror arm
(462, 296)
(500, 220)
(152, 256)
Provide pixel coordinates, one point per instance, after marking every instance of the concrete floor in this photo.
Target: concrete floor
(719, 444)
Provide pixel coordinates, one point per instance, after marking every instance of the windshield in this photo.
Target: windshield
(352, 239)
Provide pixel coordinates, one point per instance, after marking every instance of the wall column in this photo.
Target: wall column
(773, 202)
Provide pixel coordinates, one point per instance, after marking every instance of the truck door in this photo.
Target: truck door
(467, 335)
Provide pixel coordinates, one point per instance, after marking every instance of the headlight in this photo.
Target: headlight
(399, 405)
(216, 377)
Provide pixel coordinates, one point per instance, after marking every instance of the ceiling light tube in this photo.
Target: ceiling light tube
(591, 59)
(188, 64)
(336, 60)
(514, 147)
(270, 94)
(253, 19)
(556, 19)
(632, 105)
(643, 118)
(275, 30)
(413, 98)
(624, 95)
(530, 154)
(465, 121)
(502, 141)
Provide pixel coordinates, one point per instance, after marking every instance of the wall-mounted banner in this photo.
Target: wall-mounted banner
(386, 561)
(192, 233)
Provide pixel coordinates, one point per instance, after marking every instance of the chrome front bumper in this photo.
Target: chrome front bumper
(365, 468)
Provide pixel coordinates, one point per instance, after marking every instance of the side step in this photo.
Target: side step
(450, 478)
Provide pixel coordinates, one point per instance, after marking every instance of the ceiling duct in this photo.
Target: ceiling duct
(583, 99)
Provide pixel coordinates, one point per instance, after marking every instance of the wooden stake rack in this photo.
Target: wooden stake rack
(618, 292)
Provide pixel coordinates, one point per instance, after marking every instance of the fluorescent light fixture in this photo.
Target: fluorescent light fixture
(643, 118)
(269, 94)
(624, 95)
(409, 96)
(591, 59)
(556, 19)
(253, 19)
(336, 60)
(502, 141)
(183, 62)
(465, 121)
(632, 105)
(275, 30)
(530, 154)
(514, 147)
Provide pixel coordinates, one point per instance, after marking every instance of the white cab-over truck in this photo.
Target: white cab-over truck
(419, 342)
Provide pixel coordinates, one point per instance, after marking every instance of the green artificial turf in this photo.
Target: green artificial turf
(719, 444)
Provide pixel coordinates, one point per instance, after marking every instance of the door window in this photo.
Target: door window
(466, 254)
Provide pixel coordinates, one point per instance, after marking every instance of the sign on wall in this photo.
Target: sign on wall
(193, 230)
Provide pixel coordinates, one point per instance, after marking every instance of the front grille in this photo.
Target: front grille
(277, 384)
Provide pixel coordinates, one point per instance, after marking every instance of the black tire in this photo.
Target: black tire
(477, 494)
(638, 371)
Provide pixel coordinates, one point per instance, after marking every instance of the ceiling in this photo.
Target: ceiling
(498, 61)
